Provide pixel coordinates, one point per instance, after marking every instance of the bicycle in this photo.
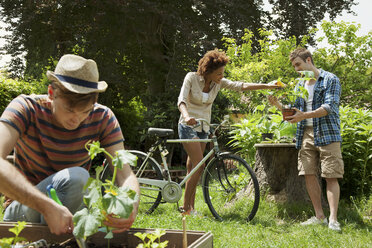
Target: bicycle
(230, 187)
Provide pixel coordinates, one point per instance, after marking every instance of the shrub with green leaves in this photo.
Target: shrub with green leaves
(356, 132)
(11, 88)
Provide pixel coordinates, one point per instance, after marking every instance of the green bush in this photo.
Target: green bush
(245, 134)
(356, 132)
(10, 89)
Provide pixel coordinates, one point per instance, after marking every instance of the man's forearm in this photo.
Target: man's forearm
(319, 112)
(15, 186)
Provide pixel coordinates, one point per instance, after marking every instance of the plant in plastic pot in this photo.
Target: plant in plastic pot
(265, 124)
(293, 90)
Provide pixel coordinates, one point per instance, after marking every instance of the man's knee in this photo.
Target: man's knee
(76, 176)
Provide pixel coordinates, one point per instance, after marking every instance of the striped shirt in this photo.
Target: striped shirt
(44, 147)
(327, 92)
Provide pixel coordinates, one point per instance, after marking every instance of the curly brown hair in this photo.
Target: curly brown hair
(211, 61)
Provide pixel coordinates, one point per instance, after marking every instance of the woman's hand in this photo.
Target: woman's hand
(276, 84)
(190, 121)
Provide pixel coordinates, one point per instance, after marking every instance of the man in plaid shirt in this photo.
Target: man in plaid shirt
(318, 136)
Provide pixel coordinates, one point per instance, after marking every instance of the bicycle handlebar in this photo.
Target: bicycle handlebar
(213, 127)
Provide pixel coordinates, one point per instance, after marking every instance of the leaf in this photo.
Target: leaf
(87, 222)
(109, 235)
(94, 192)
(124, 157)
(120, 204)
(141, 236)
(94, 149)
(17, 229)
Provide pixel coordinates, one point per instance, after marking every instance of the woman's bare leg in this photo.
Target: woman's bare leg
(195, 153)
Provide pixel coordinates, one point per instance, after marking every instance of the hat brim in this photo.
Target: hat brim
(101, 85)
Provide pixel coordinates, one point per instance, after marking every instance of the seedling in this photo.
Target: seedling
(116, 201)
(151, 240)
(17, 229)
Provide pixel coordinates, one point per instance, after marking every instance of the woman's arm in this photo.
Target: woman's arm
(185, 114)
(254, 86)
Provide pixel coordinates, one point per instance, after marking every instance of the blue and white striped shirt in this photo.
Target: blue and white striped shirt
(327, 92)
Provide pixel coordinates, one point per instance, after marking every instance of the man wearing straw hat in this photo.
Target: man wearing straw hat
(48, 134)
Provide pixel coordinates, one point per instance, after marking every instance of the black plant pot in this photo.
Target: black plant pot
(267, 136)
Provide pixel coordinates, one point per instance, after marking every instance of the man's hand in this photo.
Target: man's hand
(120, 225)
(58, 218)
(274, 101)
(299, 116)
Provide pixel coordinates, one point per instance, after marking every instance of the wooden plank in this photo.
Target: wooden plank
(35, 232)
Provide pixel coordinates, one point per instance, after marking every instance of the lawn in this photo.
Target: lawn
(275, 225)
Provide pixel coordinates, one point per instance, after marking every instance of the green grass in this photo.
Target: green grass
(275, 225)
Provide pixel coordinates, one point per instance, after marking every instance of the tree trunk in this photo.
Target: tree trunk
(277, 173)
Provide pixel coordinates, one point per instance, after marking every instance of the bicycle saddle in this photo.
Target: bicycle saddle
(160, 132)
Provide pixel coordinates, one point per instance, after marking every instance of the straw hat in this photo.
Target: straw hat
(77, 74)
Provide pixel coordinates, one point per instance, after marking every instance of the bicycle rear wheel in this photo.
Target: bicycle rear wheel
(230, 188)
(150, 195)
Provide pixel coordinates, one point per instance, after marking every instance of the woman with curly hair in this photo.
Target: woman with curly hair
(197, 95)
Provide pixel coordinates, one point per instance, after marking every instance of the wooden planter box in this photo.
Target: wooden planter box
(35, 232)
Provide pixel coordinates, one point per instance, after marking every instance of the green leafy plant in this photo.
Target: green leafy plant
(356, 132)
(17, 229)
(151, 240)
(116, 201)
(294, 89)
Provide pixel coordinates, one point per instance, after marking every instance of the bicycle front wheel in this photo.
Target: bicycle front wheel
(150, 195)
(230, 188)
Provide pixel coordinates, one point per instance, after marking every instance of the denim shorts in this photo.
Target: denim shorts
(186, 132)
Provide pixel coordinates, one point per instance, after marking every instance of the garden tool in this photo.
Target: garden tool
(53, 194)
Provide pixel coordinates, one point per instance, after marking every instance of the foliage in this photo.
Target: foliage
(141, 47)
(356, 132)
(267, 64)
(10, 89)
(116, 202)
(16, 230)
(246, 133)
(296, 18)
(349, 57)
(153, 239)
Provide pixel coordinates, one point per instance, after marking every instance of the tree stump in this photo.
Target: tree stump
(277, 173)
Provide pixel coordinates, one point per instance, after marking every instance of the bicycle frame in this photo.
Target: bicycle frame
(162, 183)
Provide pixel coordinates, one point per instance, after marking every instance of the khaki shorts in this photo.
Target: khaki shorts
(329, 157)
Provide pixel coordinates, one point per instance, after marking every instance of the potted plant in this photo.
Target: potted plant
(292, 90)
(265, 124)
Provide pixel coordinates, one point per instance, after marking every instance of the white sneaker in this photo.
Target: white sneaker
(335, 226)
(315, 221)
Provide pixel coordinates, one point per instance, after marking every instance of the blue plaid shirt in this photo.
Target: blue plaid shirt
(327, 91)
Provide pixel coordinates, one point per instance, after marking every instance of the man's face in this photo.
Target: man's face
(300, 65)
(69, 118)
(217, 74)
